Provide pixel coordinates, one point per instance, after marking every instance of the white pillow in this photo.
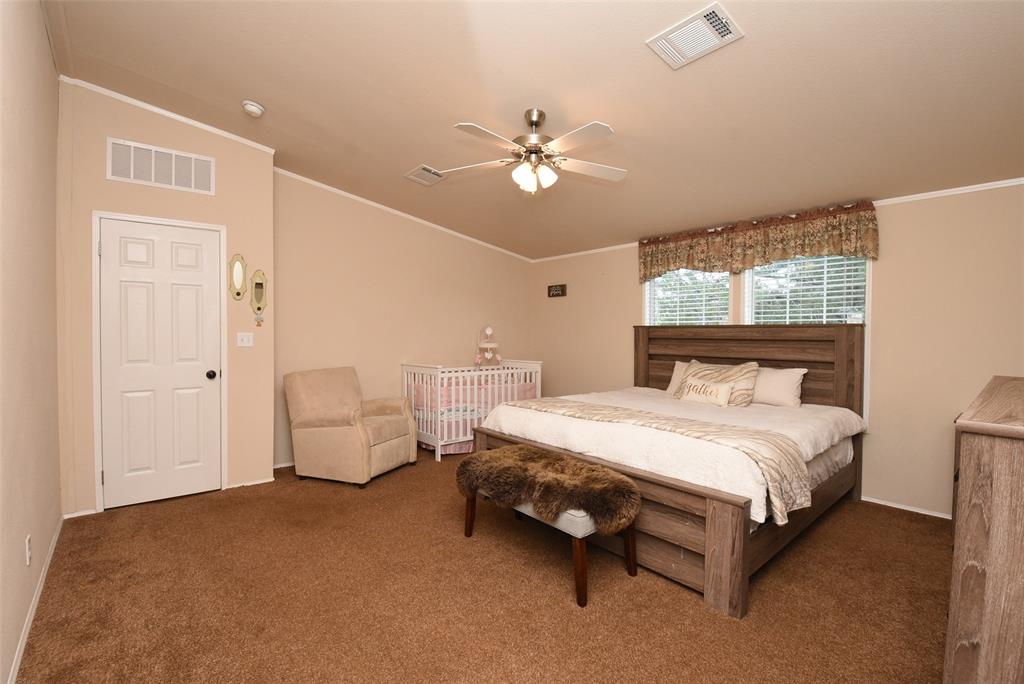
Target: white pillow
(706, 392)
(778, 386)
(678, 371)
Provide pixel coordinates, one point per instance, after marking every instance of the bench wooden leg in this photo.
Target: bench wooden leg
(579, 561)
(630, 550)
(470, 514)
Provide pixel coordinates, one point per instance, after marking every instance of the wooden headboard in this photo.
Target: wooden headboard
(833, 355)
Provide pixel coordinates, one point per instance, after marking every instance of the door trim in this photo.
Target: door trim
(97, 403)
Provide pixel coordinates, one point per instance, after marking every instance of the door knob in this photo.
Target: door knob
(211, 374)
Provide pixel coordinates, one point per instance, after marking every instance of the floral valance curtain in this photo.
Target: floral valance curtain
(845, 230)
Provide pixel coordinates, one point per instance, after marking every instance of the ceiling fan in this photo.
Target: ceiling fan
(537, 157)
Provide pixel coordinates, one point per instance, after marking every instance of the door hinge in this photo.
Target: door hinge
(99, 249)
(101, 478)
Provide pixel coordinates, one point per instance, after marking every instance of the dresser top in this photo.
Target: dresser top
(998, 410)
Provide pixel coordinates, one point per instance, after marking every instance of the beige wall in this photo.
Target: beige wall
(362, 286)
(586, 338)
(358, 284)
(947, 313)
(243, 203)
(29, 464)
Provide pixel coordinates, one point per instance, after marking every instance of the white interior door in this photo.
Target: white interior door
(160, 290)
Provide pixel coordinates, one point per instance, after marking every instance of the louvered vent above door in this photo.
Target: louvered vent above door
(134, 162)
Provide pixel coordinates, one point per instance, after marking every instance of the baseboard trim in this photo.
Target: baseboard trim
(79, 514)
(289, 464)
(912, 509)
(12, 676)
(251, 483)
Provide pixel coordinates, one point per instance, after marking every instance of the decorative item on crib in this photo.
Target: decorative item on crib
(487, 348)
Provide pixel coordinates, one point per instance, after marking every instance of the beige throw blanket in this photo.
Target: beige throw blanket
(775, 454)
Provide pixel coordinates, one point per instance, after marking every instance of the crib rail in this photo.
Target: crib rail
(449, 401)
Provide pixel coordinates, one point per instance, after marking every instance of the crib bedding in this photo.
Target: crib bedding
(814, 429)
(464, 401)
(458, 395)
(450, 405)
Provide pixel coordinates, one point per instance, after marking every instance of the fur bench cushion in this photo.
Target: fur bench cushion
(553, 483)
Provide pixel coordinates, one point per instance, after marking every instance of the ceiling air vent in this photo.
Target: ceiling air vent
(424, 175)
(148, 165)
(696, 36)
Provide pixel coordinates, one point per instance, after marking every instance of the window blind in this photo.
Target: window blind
(687, 297)
(822, 289)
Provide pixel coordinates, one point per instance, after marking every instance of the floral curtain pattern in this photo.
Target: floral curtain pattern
(844, 230)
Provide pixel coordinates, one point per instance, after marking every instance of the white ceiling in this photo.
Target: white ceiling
(819, 102)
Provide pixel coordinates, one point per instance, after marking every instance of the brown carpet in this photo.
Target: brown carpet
(302, 580)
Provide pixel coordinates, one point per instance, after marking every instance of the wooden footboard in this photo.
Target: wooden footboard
(698, 536)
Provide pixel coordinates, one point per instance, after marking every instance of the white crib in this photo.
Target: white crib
(449, 401)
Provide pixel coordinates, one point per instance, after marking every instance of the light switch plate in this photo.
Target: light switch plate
(244, 339)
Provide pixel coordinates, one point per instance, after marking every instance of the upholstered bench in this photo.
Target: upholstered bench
(571, 495)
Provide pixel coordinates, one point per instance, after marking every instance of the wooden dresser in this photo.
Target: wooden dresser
(985, 635)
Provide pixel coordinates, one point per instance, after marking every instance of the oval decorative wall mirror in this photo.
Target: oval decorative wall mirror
(236, 276)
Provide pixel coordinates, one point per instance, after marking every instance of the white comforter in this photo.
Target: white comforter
(814, 428)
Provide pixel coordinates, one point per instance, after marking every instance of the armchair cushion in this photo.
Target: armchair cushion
(384, 407)
(381, 429)
(340, 416)
(328, 392)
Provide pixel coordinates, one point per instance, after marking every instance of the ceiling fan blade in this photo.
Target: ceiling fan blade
(478, 167)
(609, 173)
(488, 136)
(584, 135)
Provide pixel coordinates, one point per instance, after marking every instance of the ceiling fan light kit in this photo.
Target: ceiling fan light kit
(535, 156)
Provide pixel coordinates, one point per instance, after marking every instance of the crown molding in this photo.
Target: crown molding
(447, 231)
(163, 112)
(396, 212)
(323, 186)
(613, 248)
(994, 185)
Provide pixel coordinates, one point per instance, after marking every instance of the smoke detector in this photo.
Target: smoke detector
(253, 108)
(697, 35)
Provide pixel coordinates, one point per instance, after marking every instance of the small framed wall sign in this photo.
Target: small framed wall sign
(557, 290)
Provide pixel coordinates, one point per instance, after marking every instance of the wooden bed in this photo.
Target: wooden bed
(700, 536)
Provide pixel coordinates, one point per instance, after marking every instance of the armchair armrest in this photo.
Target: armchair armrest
(392, 406)
(346, 416)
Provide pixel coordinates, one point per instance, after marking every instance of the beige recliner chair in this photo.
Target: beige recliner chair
(338, 436)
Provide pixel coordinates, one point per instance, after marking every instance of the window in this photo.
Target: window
(802, 290)
(688, 298)
(825, 289)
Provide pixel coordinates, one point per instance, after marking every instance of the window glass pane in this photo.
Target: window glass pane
(686, 297)
(809, 290)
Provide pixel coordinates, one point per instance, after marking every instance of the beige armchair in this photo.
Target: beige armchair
(338, 436)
